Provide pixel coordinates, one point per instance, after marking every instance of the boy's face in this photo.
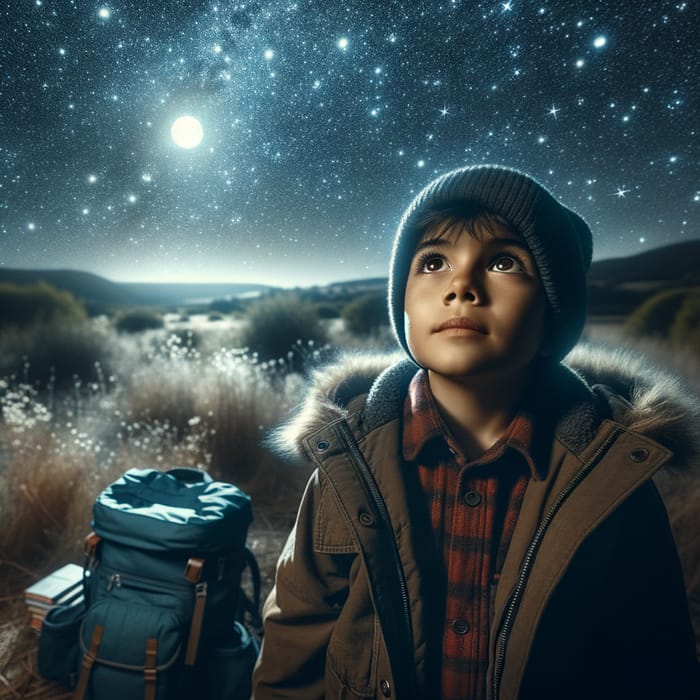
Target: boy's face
(474, 305)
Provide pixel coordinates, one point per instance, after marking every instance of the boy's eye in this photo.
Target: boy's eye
(507, 263)
(432, 263)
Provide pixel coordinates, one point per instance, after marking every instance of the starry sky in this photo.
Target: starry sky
(278, 141)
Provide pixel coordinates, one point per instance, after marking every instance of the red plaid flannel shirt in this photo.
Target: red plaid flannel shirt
(473, 508)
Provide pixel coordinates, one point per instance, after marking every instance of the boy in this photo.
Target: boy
(480, 521)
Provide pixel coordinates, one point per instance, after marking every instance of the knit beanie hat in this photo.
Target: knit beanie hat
(559, 239)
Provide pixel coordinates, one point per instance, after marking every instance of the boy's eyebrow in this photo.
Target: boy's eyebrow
(491, 242)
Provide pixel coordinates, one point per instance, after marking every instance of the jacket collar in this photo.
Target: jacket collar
(593, 383)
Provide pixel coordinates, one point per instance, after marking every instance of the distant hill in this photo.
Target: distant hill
(616, 285)
(679, 263)
(90, 288)
(99, 293)
(190, 293)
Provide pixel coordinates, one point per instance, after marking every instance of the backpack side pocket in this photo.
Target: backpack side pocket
(229, 667)
(59, 646)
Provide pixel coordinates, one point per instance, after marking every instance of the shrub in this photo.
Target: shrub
(366, 314)
(283, 327)
(25, 305)
(45, 500)
(656, 315)
(685, 330)
(226, 306)
(56, 353)
(326, 310)
(219, 407)
(138, 320)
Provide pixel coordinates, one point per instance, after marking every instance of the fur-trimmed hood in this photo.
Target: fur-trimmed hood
(641, 396)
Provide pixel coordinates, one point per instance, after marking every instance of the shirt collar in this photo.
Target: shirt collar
(423, 424)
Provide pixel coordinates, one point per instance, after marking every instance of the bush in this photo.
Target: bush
(56, 353)
(138, 320)
(226, 306)
(25, 305)
(366, 314)
(45, 501)
(656, 315)
(326, 311)
(282, 328)
(685, 330)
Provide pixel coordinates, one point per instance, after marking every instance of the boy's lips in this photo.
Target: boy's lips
(460, 322)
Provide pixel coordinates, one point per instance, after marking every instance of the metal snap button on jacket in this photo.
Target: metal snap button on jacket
(322, 446)
(385, 687)
(639, 455)
(366, 519)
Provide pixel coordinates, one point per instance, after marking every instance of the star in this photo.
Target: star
(278, 98)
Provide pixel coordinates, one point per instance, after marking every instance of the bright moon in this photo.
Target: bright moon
(187, 132)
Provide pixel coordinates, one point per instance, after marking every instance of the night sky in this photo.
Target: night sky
(319, 121)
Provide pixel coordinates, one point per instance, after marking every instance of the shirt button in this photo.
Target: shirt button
(459, 626)
(472, 498)
(385, 687)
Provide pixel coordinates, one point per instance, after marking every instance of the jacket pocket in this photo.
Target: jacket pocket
(353, 650)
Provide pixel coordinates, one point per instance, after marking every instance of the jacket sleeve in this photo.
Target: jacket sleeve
(300, 613)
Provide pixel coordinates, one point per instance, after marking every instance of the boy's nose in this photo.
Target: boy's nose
(461, 288)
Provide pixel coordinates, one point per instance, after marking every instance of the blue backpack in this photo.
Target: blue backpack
(164, 605)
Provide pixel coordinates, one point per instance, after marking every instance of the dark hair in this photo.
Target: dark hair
(469, 218)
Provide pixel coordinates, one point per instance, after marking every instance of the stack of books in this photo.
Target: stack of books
(61, 587)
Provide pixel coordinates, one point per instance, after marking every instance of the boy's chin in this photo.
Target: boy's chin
(476, 373)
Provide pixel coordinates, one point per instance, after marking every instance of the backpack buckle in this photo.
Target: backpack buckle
(193, 569)
(92, 541)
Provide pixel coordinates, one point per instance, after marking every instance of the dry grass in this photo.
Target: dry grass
(165, 405)
(168, 403)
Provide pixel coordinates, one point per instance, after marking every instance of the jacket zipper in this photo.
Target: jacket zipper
(529, 558)
(364, 471)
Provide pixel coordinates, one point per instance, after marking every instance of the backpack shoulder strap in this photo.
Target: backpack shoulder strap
(251, 604)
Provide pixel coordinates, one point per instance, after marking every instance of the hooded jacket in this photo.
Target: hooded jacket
(591, 600)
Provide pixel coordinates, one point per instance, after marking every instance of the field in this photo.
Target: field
(184, 394)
